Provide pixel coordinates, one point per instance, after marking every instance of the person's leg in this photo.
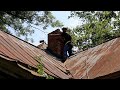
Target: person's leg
(70, 51)
(65, 52)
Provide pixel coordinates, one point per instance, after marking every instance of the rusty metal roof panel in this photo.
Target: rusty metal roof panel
(95, 62)
(18, 50)
(15, 50)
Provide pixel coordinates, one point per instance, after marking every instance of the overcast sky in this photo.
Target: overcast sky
(60, 15)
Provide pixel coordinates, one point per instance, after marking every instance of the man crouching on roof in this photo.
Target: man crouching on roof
(67, 44)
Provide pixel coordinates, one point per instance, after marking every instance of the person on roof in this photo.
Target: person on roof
(67, 44)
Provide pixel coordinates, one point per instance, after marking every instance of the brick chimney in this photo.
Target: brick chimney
(55, 45)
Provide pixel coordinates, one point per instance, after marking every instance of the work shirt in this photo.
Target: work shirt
(66, 37)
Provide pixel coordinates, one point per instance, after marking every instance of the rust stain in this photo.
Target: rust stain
(95, 62)
(99, 61)
(17, 49)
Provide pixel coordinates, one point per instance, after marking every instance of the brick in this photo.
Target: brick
(54, 42)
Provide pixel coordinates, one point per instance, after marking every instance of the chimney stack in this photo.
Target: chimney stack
(42, 45)
(55, 45)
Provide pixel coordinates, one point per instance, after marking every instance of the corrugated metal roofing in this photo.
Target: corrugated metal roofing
(99, 61)
(18, 50)
(95, 62)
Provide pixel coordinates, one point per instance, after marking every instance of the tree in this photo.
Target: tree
(22, 22)
(98, 27)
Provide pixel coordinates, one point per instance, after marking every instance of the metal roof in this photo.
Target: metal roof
(99, 61)
(18, 50)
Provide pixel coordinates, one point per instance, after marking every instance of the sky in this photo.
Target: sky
(60, 15)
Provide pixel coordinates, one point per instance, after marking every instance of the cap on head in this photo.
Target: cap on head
(64, 29)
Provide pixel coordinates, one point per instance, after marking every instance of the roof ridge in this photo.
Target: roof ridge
(19, 38)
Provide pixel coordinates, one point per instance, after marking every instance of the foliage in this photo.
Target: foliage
(49, 77)
(98, 27)
(40, 68)
(22, 22)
